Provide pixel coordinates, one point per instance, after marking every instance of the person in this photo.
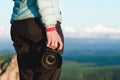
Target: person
(36, 24)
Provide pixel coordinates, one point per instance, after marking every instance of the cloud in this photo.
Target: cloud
(69, 29)
(94, 32)
(101, 29)
(4, 32)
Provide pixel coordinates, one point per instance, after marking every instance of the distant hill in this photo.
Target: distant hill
(91, 44)
(74, 44)
(99, 51)
(6, 45)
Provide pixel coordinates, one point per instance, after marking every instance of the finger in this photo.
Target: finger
(60, 45)
(48, 43)
(56, 44)
(53, 44)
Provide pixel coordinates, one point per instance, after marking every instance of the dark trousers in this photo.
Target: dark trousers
(29, 40)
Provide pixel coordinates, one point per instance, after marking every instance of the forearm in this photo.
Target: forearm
(48, 10)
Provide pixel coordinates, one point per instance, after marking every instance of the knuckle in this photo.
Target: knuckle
(55, 46)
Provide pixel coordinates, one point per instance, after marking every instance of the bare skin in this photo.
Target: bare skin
(54, 40)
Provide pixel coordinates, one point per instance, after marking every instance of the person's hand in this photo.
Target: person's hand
(54, 40)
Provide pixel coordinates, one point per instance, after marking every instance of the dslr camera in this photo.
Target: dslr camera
(51, 59)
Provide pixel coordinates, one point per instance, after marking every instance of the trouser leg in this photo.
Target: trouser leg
(29, 38)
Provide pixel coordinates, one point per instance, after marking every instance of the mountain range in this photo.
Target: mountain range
(75, 44)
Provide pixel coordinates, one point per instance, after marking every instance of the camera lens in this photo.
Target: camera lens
(50, 59)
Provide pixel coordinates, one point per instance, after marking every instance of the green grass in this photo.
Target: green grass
(87, 71)
(5, 58)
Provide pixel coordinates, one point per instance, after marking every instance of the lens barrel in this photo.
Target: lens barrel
(51, 59)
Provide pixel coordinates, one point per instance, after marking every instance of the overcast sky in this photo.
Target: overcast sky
(81, 18)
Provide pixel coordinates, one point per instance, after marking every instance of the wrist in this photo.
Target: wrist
(49, 29)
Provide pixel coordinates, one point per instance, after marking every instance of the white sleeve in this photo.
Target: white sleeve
(46, 10)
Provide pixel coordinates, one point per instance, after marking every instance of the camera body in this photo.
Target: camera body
(51, 59)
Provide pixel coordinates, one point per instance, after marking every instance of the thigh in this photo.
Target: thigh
(25, 35)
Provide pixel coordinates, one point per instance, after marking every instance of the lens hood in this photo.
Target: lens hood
(51, 59)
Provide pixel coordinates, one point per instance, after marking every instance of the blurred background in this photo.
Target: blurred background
(92, 38)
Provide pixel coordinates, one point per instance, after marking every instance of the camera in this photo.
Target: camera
(51, 59)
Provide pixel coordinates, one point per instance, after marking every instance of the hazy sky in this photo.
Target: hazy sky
(83, 17)
(82, 13)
